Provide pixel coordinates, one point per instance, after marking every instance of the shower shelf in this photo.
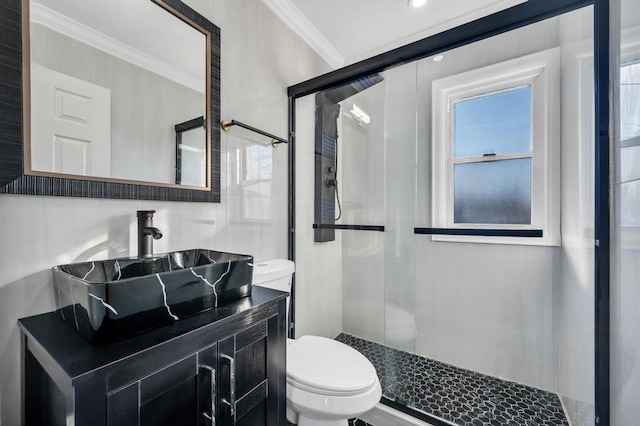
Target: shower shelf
(350, 227)
(530, 233)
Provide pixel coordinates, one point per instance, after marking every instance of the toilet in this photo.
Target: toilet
(328, 382)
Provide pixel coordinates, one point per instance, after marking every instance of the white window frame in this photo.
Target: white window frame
(541, 71)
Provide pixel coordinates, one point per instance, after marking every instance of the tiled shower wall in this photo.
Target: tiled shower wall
(522, 313)
(260, 58)
(625, 356)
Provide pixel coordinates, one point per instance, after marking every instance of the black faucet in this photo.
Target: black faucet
(146, 233)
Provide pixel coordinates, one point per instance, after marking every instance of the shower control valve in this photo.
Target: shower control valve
(331, 182)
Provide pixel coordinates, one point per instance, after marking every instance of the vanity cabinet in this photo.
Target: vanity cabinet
(221, 367)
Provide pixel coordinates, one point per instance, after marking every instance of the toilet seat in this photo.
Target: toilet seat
(327, 367)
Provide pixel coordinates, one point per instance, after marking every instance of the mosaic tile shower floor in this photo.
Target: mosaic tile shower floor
(456, 395)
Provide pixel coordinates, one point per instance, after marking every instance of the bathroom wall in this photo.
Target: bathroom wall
(625, 285)
(260, 58)
(318, 283)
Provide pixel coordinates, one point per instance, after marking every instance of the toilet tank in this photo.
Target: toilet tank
(275, 274)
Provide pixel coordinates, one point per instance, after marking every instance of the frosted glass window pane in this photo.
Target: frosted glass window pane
(498, 123)
(493, 192)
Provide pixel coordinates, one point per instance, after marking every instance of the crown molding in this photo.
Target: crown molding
(60, 23)
(295, 20)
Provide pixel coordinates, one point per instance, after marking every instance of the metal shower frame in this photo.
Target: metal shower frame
(515, 17)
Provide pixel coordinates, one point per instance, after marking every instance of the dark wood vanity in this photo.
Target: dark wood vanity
(225, 366)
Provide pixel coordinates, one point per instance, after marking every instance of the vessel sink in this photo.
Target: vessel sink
(111, 299)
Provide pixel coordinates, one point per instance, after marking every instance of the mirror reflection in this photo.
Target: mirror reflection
(191, 169)
(110, 84)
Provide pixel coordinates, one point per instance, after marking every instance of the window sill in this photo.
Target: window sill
(528, 237)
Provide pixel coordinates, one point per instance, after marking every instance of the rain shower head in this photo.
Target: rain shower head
(340, 93)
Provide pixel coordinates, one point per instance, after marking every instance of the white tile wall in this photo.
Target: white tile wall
(485, 307)
(490, 308)
(361, 154)
(260, 58)
(400, 207)
(625, 289)
(318, 300)
(363, 284)
(361, 158)
(575, 307)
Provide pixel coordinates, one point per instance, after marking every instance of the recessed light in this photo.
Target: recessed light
(438, 58)
(417, 3)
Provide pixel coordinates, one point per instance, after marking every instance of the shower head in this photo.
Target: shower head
(340, 93)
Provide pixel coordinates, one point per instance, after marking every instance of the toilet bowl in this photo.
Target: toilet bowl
(328, 382)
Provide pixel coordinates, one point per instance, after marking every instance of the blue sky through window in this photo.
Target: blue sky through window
(498, 123)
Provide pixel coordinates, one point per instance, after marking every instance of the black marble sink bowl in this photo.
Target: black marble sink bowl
(111, 299)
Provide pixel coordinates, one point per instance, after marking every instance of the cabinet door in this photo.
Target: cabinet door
(242, 361)
(179, 394)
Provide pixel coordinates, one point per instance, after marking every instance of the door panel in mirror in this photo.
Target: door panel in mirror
(73, 132)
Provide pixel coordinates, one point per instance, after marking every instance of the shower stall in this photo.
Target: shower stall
(444, 222)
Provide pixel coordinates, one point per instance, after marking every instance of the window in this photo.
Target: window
(257, 169)
(496, 150)
(629, 145)
(249, 179)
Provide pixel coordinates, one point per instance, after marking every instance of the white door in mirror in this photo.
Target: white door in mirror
(71, 130)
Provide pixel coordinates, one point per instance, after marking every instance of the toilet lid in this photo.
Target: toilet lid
(327, 365)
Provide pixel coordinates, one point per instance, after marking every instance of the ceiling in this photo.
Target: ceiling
(346, 31)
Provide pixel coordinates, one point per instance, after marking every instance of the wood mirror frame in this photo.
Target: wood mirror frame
(14, 109)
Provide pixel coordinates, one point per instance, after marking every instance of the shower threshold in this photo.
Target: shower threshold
(442, 394)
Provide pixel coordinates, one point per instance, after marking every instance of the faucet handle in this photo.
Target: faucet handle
(145, 213)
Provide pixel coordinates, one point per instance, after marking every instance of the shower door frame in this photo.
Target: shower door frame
(509, 19)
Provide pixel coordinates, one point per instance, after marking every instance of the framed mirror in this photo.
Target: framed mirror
(95, 97)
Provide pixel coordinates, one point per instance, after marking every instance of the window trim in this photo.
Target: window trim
(541, 71)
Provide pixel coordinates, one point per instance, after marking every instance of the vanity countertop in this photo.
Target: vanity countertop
(66, 354)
